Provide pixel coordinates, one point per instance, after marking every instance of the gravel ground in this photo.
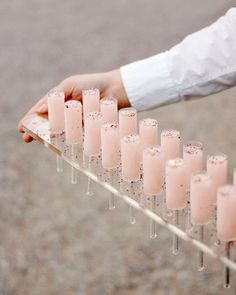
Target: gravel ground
(53, 239)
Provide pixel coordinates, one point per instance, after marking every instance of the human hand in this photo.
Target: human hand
(109, 83)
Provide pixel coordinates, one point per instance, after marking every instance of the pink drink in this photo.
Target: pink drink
(148, 132)
(109, 110)
(110, 140)
(234, 180)
(226, 216)
(56, 101)
(201, 198)
(153, 170)
(127, 121)
(175, 177)
(130, 157)
(90, 98)
(193, 158)
(217, 166)
(73, 122)
(92, 133)
(170, 144)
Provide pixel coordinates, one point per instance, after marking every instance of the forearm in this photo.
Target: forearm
(203, 63)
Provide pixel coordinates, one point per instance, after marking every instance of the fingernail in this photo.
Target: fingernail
(42, 109)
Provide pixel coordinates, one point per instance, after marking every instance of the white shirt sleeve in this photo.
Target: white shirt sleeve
(203, 63)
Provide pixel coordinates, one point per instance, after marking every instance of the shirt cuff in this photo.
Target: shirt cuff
(148, 82)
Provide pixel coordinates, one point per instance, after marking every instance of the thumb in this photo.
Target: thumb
(42, 109)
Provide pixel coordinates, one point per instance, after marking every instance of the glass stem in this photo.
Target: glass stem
(131, 209)
(131, 215)
(153, 233)
(73, 170)
(89, 189)
(111, 195)
(59, 164)
(58, 158)
(226, 268)
(200, 256)
(175, 241)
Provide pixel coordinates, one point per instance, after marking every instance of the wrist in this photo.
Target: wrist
(118, 89)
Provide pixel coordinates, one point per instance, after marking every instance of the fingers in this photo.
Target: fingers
(20, 126)
(27, 138)
(41, 106)
(31, 111)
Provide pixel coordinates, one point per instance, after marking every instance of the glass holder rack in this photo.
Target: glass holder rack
(38, 127)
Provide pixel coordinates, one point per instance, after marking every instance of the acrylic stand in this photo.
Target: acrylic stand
(38, 128)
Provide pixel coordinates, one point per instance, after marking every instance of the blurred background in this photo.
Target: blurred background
(54, 240)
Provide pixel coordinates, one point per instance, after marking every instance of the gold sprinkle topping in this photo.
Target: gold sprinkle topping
(170, 133)
(93, 116)
(132, 138)
(177, 162)
(153, 151)
(110, 126)
(128, 112)
(193, 148)
(149, 122)
(227, 191)
(200, 177)
(108, 101)
(56, 94)
(217, 159)
(73, 104)
(90, 92)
